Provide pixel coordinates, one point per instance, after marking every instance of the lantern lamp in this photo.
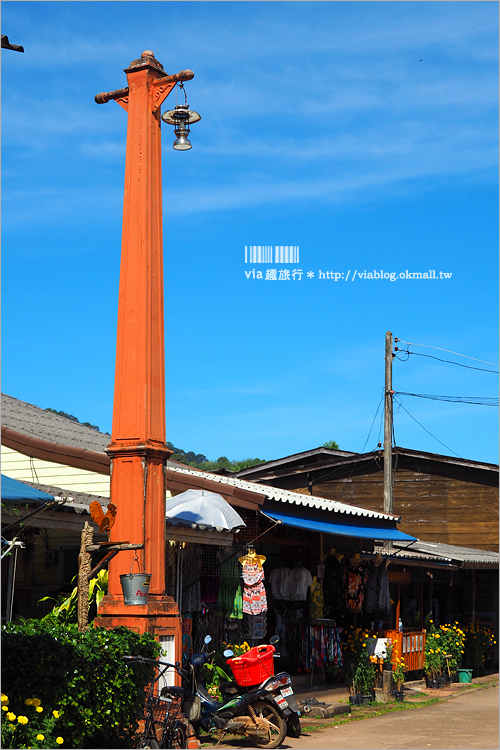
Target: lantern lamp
(181, 118)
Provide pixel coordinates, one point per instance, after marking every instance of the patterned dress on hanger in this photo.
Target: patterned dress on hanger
(254, 593)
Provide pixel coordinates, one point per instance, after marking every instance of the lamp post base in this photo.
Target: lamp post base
(159, 616)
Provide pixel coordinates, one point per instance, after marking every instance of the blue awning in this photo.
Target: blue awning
(18, 492)
(341, 529)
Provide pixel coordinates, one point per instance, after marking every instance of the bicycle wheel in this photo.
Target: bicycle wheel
(148, 742)
(177, 738)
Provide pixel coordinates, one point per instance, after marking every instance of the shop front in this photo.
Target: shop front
(307, 578)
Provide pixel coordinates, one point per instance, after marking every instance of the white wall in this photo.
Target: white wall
(25, 469)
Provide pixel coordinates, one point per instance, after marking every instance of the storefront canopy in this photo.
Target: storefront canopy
(341, 529)
(18, 492)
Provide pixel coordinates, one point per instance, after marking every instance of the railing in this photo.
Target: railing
(410, 647)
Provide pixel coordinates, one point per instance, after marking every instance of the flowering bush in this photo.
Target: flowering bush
(445, 640)
(477, 641)
(452, 639)
(398, 672)
(357, 650)
(434, 652)
(389, 650)
(82, 676)
(34, 728)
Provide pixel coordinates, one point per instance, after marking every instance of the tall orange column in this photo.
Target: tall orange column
(138, 449)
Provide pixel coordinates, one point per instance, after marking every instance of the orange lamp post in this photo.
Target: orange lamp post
(138, 449)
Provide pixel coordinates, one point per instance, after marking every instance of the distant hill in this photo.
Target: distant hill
(199, 461)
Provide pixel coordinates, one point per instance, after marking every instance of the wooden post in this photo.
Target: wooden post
(421, 601)
(388, 490)
(84, 568)
(398, 608)
(473, 596)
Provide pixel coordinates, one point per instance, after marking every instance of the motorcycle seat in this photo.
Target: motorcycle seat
(229, 688)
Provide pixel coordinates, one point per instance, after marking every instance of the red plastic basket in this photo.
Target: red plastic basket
(253, 667)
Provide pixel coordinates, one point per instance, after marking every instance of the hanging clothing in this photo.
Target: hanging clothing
(254, 599)
(254, 593)
(316, 601)
(229, 583)
(279, 582)
(356, 576)
(299, 581)
(333, 586)
(377, 589)
(237, 610)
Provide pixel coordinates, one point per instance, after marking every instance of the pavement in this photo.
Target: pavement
(465, 717)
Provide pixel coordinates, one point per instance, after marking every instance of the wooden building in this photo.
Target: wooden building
(440, 499)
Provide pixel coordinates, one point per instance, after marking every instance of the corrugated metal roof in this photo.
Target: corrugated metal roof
(285, 496)
(454, 553)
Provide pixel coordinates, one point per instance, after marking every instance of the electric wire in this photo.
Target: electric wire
(477, 400)
(371, 428)
(450, 362)
(428, 432)
(429, 346)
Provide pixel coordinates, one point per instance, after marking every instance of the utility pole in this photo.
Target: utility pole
(388, 491)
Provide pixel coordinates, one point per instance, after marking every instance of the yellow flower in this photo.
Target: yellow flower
(40, 737)
(28, 702)
(22, 719)
(39, 709)
(11, 716)
(4, 698)
(36, 701)
(5, 708)
(59, 740)
(56, 714)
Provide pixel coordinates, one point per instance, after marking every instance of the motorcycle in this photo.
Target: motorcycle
(260, 712)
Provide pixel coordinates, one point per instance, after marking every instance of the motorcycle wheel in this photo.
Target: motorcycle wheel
(293, 727)
(273, 715)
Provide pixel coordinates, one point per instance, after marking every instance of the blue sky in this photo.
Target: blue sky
(364, 133)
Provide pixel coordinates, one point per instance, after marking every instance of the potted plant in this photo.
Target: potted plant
(389, 650)
(398, 674)
(452, 642)
(434, 656)
(360, 670)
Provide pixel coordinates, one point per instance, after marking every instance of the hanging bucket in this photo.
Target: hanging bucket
(464, 675)
(135, 586)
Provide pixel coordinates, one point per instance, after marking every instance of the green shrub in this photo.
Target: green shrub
(82, 675)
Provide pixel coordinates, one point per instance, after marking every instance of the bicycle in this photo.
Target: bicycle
(161, 710)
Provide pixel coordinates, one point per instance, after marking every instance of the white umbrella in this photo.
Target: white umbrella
(202, 508)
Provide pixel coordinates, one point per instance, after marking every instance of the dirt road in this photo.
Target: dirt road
(466, 722)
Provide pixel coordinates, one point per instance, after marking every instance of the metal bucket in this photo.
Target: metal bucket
(135, 586)
(464, 675)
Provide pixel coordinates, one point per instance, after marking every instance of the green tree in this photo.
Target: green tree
(331, 444)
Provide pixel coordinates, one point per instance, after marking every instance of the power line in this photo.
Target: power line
(448, 361)
(371, 428)
(477, 400)
(427, 431)
(429, 346)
